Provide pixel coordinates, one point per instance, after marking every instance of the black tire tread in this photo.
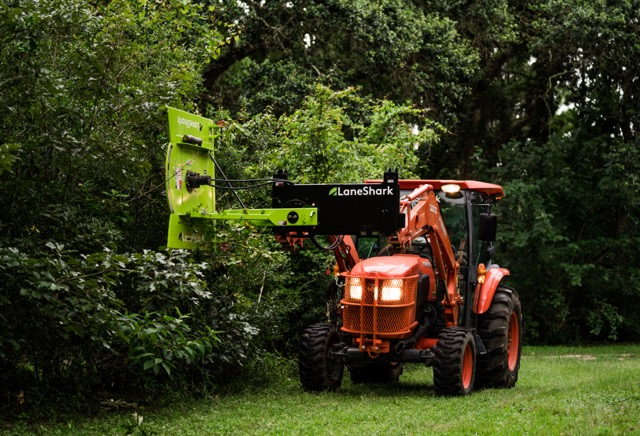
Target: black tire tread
(492, 368)
(447, 365)
(312, 358)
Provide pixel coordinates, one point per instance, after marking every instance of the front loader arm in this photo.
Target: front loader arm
(424, 218)
(345, 252)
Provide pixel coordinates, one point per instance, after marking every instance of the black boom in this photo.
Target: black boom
(344, 209)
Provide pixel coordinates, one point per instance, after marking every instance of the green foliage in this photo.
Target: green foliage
(335, 136)
(7, 156)
(61, 311)
(252, 281)
(553, 119)
(399, 51)
(81, 92)
(255, 86)
(582, 284)
(161, 342)
(316, 143)
(83, 323)
(135, 426)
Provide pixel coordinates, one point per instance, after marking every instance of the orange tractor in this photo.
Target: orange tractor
(415, 281)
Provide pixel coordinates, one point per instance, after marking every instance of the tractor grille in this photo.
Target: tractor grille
(382, 307)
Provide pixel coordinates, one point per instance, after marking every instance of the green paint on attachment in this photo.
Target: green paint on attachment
(192, 210)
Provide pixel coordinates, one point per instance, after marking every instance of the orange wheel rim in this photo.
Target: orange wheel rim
(467, 366)
(514, 341)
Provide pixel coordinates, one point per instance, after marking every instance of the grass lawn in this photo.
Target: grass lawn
(561, 390)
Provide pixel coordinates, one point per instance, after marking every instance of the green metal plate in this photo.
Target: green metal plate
(184, 231)
(183, 156)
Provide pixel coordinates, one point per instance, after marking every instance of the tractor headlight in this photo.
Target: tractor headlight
(354, 289)
(355, 292)
(391, 291)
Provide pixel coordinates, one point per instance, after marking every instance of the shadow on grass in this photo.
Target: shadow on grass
(407, 389)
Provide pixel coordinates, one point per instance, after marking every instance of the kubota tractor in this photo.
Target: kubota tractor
(415, 281)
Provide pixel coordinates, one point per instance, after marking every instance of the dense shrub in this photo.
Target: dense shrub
(574, 266)
(82, 130)
(66, 325)
(79, 324)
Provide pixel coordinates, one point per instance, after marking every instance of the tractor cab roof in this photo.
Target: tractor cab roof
(489, 189)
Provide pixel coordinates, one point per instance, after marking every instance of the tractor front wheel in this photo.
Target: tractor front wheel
(318, 370)
(500, 329)
(454, 363)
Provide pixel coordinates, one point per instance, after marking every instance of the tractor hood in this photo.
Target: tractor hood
(399, 265)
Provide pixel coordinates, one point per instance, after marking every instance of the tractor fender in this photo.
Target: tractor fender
(484, 293)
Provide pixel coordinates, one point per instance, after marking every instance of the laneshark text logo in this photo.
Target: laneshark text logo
(360, 192)
(190, 124)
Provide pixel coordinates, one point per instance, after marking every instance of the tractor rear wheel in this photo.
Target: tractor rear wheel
(454, 363)
(377, 373)
(318, 371)
(500, 329)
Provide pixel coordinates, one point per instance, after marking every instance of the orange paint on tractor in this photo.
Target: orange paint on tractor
(489, 189)
(380, 296)
(425, 343)
(484, 292)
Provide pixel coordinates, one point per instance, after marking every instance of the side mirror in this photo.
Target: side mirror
(488, 227)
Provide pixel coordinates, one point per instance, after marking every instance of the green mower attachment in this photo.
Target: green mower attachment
(190, 186)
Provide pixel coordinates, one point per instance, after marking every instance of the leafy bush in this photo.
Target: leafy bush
(82, 323)
(335, 136)
(82, 87)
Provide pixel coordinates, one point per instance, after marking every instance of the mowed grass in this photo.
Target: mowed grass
(561, 390)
